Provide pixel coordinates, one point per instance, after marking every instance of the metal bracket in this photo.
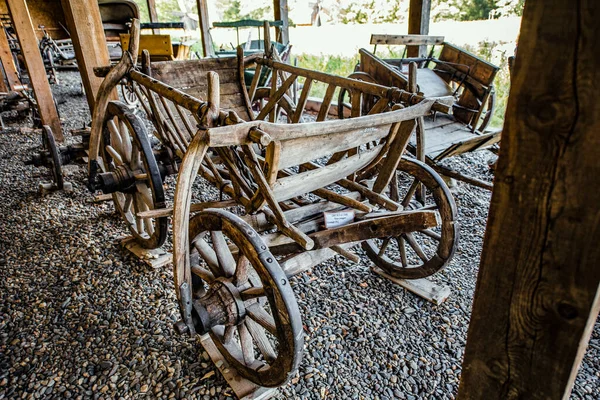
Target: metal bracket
(185, 295)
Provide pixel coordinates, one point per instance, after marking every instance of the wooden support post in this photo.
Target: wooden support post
(418, 24)
(207, 46)
(85, 25)
(23, 25)
(8, 63)
(538, 293)
(281, 14)
(153, 14)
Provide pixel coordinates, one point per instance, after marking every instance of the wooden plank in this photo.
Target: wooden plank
(538, 290)
(207, 47)
(35, 66)
(155, 258)
(243, 388)
(423, 288)
(404, 40)
(8, 63)
(418, 23)
(191, 73)
(305, 182)
(281, 14)
(85, 25)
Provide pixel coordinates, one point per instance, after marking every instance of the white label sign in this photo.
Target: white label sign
(334, 219)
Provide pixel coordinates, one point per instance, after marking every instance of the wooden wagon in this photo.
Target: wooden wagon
(454, 72)
(303, 192)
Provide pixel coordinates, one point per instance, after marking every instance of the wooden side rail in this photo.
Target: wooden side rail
(407, 40)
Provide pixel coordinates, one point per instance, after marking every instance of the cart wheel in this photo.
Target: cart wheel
(421, 253)
(345, 99)
(128, 93)
(284, 105)
(136, 181)
(243, 299)
(53, 162)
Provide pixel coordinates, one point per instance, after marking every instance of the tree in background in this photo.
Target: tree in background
(471, 10)
(236, 10)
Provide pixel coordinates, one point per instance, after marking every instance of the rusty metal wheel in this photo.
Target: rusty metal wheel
(422, 253)
(243, 299)
(132, 175)
(53, 159)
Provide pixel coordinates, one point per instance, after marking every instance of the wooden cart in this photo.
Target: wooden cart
(303, 192)
(454, 72)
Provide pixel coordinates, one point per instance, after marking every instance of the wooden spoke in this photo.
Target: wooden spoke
(402, 249)
(394, 195)
(203, 273)
(228, 335)
(253, 293)
(115, 137)
(410, 239)
(114, 154)
(224, 256)
(127, 202)
(145, 195)
(125, 140)
(261, 340)
(136, 161)
(410, 193)
(384, 245)
(431, 234)
(241, 270)
(246, 344)
(258, 314)
(138, 221)
(208, 254)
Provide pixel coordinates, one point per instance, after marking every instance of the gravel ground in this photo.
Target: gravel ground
(80, 317)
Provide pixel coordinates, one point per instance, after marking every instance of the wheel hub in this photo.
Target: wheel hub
(222, 305)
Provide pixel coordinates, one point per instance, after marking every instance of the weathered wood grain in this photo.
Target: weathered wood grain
(537, 295)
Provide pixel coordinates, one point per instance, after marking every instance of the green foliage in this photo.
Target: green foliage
(235, 10)
(470, 10)
(144, 14)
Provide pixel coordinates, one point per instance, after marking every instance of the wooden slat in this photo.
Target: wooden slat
(85, 26)
(299, 151)
(404, 40)
(35, 66)
(152, 14)
(538, 290)
(295, 185)
(191, 73)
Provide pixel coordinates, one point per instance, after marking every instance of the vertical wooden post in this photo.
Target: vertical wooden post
(23, 25)
(281, 13)
(207, 46)
(418, 24)
(85, 25)
(153, 14)
(8, 63)
(538, 293)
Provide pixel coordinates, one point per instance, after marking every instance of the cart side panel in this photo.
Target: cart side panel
(380, 71)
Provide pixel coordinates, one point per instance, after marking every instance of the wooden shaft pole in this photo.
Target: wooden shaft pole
(85, 25)
(538, 289)
(281, 14)
(35, 66)
(418, 24)
(207, 46)
(153, 14)
(8, 63)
